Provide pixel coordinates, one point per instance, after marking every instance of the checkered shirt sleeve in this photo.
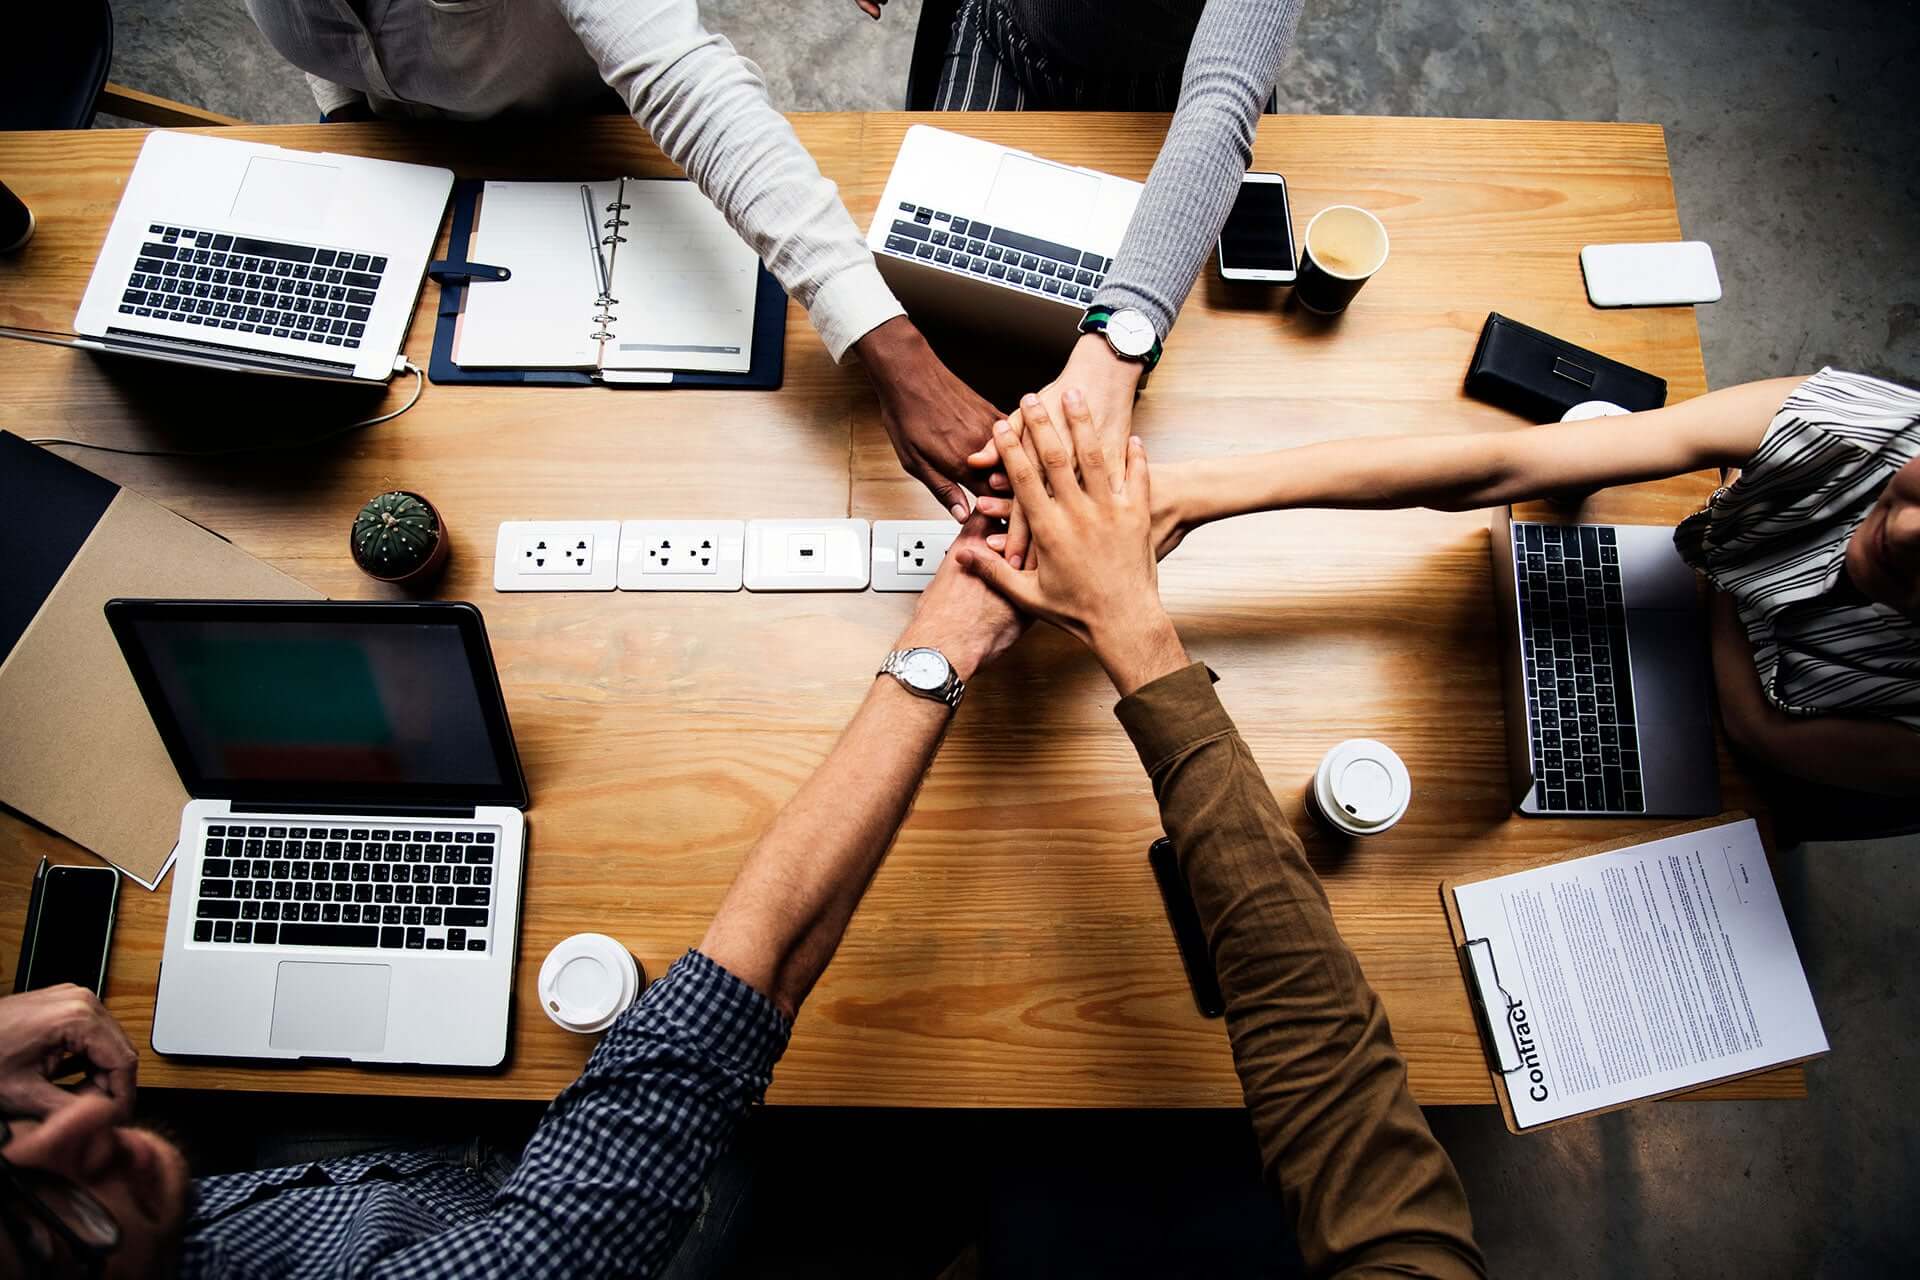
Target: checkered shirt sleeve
(607, 1186)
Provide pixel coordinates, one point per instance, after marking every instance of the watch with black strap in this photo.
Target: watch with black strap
(1128, 332)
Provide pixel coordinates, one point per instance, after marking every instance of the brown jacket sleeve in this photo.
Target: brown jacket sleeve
(1342, 1144)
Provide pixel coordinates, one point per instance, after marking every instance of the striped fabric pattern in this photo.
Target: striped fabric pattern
(1776, 540)
(993, 65)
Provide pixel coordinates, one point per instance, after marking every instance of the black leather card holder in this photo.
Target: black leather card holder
(1540, 377)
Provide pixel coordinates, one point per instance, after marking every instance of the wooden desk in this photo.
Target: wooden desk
(1013, 951)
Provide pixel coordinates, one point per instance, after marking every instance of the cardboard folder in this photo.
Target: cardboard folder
(79, 752)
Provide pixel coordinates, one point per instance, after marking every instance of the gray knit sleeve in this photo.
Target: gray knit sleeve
(1231, 69)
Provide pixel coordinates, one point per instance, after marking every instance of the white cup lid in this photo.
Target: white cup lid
(1363, 785)
(587, 981)
(1592, 409)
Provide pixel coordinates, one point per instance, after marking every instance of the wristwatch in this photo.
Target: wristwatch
(1127, 331)
(924, 673)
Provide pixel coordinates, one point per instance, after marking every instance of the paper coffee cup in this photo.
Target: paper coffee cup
(587, 981)
(1343, 248)
(1361, 788)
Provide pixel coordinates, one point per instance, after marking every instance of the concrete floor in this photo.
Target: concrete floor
(1795, 154)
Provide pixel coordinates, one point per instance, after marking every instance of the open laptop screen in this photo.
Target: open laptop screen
(385, 705)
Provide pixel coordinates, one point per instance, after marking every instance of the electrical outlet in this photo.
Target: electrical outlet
(681, 555)
(556, 555)
(907, 553)
(807, 555)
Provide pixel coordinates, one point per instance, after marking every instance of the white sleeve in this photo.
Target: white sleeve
(707, 108)
(330, 97)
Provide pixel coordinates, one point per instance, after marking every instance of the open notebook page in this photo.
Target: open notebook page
(542, 317)
(685, 284)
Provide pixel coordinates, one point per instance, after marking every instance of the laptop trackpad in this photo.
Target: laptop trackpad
(286, 193)
(1041, 199)
(331, 1009)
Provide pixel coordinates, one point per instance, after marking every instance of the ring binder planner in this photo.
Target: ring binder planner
(671, 295)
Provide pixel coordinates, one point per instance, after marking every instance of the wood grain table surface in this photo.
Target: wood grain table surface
(1013, 951)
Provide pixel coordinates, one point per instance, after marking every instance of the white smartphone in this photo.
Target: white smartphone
(1257, 242)
(1671, 274)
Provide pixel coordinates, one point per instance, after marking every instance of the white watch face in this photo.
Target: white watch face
(923, 669)
(1130, 333)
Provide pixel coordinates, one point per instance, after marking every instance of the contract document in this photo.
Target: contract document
(1636, 973)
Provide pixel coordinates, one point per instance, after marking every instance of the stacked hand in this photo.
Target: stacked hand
(1107, 384)
(960, 615)
(934, 419)
(46, 1034)
(1092, 570)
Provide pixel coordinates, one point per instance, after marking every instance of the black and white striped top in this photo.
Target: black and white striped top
(1776, 541)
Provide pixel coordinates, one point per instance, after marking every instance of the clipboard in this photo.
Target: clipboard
(455, 274)
(1490, 1001)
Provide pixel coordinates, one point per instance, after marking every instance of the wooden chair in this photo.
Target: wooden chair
(53, 73)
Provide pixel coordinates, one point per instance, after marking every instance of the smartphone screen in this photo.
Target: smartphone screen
(68, 941)
(1259, 232)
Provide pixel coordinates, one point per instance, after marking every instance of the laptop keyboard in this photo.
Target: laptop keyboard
(1573, 625)
(390, 888)
(1006, 257)
(303, 292)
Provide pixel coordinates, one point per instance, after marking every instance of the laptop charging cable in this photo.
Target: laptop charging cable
(400, 365)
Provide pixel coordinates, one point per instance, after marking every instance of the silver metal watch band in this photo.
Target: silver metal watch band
(949, 693)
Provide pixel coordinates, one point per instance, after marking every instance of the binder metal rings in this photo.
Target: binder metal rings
(604, 318)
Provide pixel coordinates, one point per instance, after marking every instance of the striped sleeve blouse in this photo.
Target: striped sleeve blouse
(1776, 539)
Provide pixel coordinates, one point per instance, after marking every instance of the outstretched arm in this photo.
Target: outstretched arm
(1230, 71)
(783, 917)
(613, 1175)
(707, 108)
(1342, 1143)
(1474, 469)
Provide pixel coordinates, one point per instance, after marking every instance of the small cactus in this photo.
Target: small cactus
(398, 536)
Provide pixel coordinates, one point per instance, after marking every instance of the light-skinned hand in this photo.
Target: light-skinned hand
(959, 614)
(1108, 383)
(1093, 573)
(49, 1033)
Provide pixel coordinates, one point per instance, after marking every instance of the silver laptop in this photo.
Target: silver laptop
(1603, 646)
(347, 886)
(236, 255)
(988, 237)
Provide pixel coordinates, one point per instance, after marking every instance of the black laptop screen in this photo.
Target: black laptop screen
(324, 703)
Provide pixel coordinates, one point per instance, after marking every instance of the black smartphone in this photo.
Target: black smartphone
(1187, 934)
(69, 924)
(1256, 244)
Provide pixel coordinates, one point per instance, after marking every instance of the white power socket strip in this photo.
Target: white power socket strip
(681, 555)
(556, 555)
(907, 553)
(807, 555)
